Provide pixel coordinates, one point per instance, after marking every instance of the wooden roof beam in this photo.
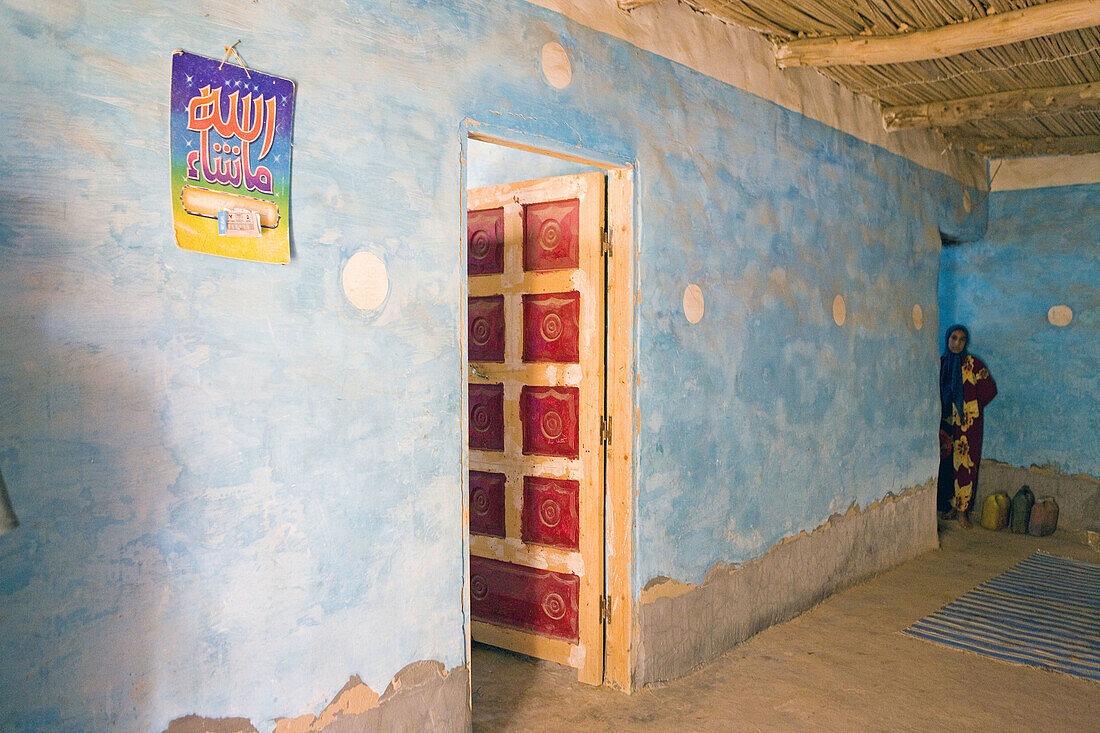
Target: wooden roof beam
(1020, 147)
(995, 30)
(1022, 102)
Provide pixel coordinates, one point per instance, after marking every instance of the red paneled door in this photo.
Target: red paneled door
(536, 350)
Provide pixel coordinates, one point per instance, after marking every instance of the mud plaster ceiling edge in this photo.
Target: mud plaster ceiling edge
(709, 46)
(1015, 174)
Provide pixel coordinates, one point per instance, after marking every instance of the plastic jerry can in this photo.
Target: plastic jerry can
(1044, 517)
(995, 511)
(1020, 513)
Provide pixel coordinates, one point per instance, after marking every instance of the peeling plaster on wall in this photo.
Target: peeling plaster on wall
(1078, 496)
(1013, 174)
(355, 698)
(422, 696)
(199, 724)
(746, 60)
(677, 632)
(662, 587)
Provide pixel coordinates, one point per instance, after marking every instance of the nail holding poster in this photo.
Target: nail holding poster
(231, 144)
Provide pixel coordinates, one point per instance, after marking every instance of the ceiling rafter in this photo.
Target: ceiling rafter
(951, 112)
(1012, 147)
(995, 30)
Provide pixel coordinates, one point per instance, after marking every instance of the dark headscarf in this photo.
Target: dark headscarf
(951, 379)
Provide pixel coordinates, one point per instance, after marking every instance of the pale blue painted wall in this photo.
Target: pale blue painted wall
(237, 490)
(766, 417)
(1042, 249)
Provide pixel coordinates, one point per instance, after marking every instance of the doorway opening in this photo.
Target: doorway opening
(549, 416)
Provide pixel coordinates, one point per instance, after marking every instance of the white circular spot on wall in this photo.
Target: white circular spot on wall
(918, 317)
(693, 303)
(1060, 315)
(555, 65)
(968, 202)
(365, 281)
(840, 310)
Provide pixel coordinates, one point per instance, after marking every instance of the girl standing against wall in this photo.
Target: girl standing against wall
(965, 389)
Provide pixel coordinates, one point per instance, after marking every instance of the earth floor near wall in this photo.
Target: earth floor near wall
(841, 666)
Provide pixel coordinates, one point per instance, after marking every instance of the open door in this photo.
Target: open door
(536, 401)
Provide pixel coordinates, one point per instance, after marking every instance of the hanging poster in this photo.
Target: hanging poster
(231, 141)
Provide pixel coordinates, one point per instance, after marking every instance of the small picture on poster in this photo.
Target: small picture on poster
(231, 143)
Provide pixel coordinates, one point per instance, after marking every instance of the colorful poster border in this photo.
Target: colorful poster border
(231, 141)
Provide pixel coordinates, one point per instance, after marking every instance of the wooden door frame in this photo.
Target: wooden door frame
(619, 378)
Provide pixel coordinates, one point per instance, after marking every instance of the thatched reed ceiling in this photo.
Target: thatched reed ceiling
(1034, 96)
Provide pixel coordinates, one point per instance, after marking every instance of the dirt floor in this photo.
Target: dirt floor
(842, 666)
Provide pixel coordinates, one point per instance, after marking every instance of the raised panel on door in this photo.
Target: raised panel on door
(536, 335)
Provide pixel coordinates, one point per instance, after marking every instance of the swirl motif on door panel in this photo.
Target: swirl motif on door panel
(551, 425)
(485, 241)
(520, 597)
(487, 503)
(479, 588)
(486, 329)
(551, 327)
(551, 235)
(551, 513)
(487, 417)
(550, 416)
(553, 605)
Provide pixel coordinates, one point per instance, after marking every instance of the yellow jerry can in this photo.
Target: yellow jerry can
(995, 511)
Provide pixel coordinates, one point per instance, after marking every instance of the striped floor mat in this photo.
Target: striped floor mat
(1045, 612)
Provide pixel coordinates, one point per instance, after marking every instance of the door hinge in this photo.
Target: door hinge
(605, 429)
(606, 238)
(605, 609)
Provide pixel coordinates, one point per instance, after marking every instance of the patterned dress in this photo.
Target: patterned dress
(961, 437)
